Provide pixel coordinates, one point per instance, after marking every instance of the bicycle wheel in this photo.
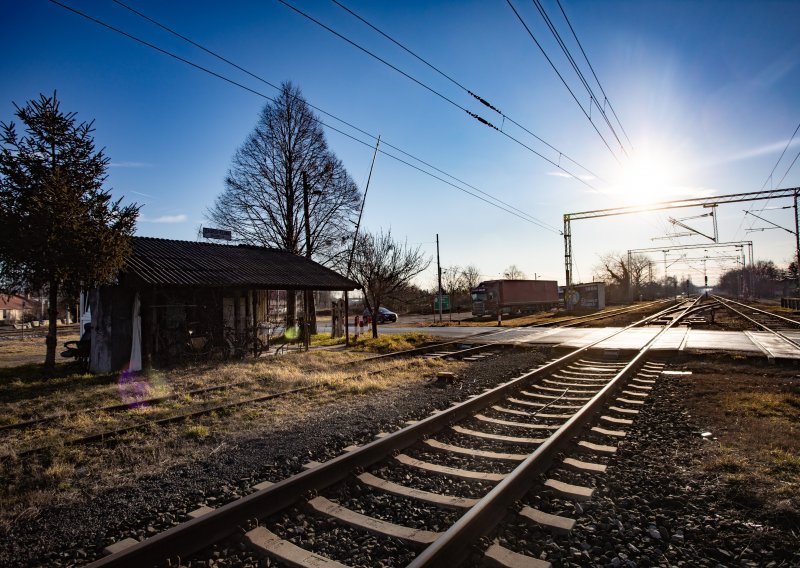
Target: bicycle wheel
(258, 347)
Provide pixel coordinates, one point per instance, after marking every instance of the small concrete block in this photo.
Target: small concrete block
(311, 465)
(445, 377)
(351, 447)
(119, 546)
(199, 512)
(381, 435)
(262, 485)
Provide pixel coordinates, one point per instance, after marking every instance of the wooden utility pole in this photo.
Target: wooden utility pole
(308, 302)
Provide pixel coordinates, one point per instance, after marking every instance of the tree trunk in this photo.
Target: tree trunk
(375, 326)
(51, 340)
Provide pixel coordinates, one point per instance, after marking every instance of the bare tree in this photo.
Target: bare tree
(263, 199)
(471, 275)
(383, 266)
(513, 272)
(453, 279)
(615, 270)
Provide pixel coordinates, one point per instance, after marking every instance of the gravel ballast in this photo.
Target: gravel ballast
(657, 504)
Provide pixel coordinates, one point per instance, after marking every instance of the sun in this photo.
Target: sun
(647, 176)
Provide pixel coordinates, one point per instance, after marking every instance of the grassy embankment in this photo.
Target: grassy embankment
(63, 471)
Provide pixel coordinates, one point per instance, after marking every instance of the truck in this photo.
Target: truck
(513, 297)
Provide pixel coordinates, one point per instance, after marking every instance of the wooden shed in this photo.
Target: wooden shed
(170, 288)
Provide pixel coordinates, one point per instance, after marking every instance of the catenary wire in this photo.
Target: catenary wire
(589, 118)
(591, 68)
(775, 167)
(769, 177)
(432, 90)
(461, 86)
(318, 109)
(531, 220)
(789, 168)
(592, 96)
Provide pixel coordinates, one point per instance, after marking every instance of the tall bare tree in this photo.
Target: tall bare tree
(614, 269)
(471, 275)
(59, 229)
(263, 199)
(383, 266)
(513, 272)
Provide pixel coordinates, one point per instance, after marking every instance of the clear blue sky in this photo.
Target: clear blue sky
(708, 92)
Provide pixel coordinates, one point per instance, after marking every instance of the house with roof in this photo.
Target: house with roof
(169, 289)
(15, 309)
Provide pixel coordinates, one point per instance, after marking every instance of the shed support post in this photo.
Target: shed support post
(346, 320)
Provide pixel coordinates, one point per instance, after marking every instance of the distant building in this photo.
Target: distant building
(17, 309)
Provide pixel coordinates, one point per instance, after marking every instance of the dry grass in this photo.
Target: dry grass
(16, 352)
(64, 472)
(754, 411)
(392, 343)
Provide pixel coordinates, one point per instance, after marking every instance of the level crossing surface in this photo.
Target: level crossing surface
(679, 338)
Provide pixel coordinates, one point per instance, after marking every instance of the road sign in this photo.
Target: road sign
(445, 302)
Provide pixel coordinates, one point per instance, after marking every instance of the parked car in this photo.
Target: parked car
(383, 316)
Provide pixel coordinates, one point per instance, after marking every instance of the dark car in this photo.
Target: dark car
(383, 316)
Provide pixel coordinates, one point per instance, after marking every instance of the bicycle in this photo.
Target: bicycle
(238, 345)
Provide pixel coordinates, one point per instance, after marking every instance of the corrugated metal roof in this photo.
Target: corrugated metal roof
(185, 263)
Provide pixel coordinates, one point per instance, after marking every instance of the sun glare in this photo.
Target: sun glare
(647, 177)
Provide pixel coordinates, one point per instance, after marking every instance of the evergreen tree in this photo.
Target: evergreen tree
(59, 229)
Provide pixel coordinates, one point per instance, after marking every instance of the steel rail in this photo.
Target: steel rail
(593, 317)
(110, 435)
(196, 534)
(741, 314)
(160, 399)
(426, 348)
(758, 310)
(455, 545)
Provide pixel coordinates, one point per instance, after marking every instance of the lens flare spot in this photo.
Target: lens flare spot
(136, 389)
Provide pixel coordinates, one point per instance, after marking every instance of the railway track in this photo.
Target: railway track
(449, 479)
(577, 320)
(772, 323)
(446, 350)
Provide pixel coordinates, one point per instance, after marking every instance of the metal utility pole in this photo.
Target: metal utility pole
(439, 271)
(568, 261)
(796, 242)
(710, 201)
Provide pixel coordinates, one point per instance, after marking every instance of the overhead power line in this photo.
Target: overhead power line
(461, 86)
(775, 167)
(499, 203)
(434, 91)
(592, 96)
(560, 76)
(769, 177)
(591, 68)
